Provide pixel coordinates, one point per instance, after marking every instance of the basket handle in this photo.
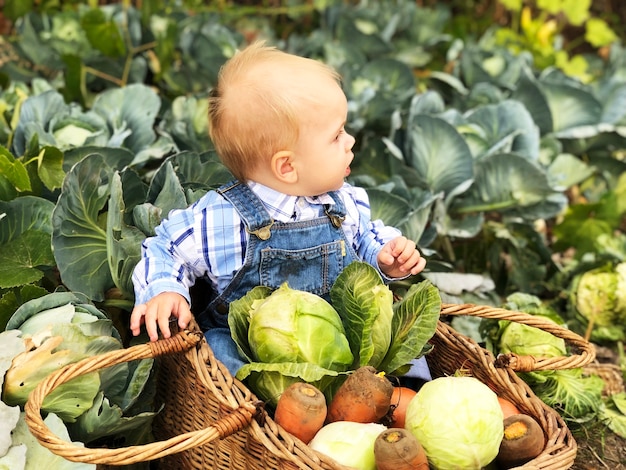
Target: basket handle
(583, 351)
(183, 341)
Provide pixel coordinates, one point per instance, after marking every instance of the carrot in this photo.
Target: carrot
(364, 397)
(400, 399)
(398, 449)
(301, 410)
(508, 407)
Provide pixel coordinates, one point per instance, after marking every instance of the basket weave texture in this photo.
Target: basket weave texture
(210, 420)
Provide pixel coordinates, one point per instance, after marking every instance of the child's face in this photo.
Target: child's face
(323, 152)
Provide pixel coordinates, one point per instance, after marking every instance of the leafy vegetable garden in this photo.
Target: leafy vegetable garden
(496, 148)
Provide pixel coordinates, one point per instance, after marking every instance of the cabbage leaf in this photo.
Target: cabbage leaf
(9, 416)
(269, 380)
(365, 305)
(415, 319)
(70, 399)
(14, 459)
(38, 456)
(107, 419)
(384, 334)
(239, 320)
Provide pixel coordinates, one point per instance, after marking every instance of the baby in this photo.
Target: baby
(277, 122)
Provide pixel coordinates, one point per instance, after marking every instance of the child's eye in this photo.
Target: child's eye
(342, 131)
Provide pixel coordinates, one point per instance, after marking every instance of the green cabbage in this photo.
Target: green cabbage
(69, 400)
(528, 341)
(599, 295)
(574, 394)
(287, 336)
(295, 326)
(516, 338)
(458, 421)
(28, 453)
(49, 332)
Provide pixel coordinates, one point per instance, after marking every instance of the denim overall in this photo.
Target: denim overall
(308, 255)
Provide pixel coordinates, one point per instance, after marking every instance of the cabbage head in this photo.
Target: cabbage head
(458, 421)
(528, 341)
(599, 295)
(296, 326)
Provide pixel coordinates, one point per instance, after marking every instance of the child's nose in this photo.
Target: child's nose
(350, 141)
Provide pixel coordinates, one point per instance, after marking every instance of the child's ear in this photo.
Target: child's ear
(282, 167)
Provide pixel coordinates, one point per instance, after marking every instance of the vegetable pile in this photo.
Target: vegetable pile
(449, 423)
(330, 372)
(290, 336)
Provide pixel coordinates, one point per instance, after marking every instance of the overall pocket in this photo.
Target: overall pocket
(312, 269)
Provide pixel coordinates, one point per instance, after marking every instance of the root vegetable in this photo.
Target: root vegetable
(301, 410)
(523, 441)
(398, 449)
(364, 397)
(508, 407)
(400, 399)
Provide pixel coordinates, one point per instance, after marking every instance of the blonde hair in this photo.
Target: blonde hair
(254, 109)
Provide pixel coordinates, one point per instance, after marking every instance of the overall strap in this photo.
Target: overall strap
(250, 208)
(337, 212)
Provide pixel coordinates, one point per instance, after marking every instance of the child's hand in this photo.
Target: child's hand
(399, 258)
(156, 313)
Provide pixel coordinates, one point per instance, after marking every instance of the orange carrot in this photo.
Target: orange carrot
(364, 397)
(398, 449)
(508, 407)
(301, 410)
(400, 399)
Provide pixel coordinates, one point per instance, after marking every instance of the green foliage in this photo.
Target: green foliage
(597, 295)
(539, 29)
(614, 414)
(369, 333)
(588, 225)
(575, 395)
(464, 159)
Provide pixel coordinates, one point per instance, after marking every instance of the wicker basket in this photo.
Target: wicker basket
(213, 421)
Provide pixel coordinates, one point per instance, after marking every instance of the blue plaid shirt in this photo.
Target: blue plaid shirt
(209, 238)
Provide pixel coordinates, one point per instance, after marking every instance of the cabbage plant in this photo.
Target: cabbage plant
(574, 394)
(288, 335)
(599, 296)
(528, 341)
(60, 328)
